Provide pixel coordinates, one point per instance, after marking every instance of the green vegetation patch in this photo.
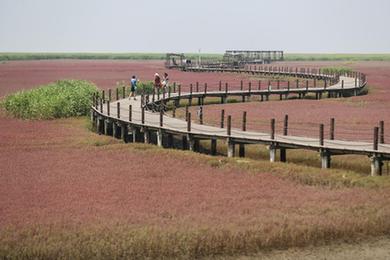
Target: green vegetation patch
(336, 57)
(100, 56)
(64, 98)
(336, 70)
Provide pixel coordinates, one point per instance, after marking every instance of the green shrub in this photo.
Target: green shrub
(336, 70)
(64, 98)
(142, 86)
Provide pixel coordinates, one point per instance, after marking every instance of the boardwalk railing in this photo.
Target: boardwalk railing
(144, 119)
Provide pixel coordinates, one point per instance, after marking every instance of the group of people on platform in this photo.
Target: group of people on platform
(158, 83)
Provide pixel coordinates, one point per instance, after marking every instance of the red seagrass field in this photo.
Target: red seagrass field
(59, 177)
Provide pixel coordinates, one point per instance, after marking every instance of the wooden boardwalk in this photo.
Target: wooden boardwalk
(138, 120)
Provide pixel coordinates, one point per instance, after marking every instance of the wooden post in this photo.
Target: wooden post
(241, 85)
(285, 125)
(226, 87)
(297, 83)
(283, 157)
(189, 122)
(242, 146)
(118, 109)
(250, 86)
(273, 128)
(101, 105)
(130, 113)
(117, 93)
(103, 96)
(174, 111)
(187, 112)
(123, 92)
(179, 87)
(201, 115)
(332, 124)
(174, 87)
(381, 132)
(109, 95)
(244, 121)
(205, 88)
(197, 86)
(322, 134)
(108, 107)
(259, 85)
(161, 118)
(220, 85)
(229, 125)
(222, 118)
(143, 115)
(375, 144)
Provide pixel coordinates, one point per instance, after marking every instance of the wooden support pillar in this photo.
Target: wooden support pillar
(116, 130)
(283, 153)
(273, 128)
(213, 149)
(242, 146)
(170, 140)
(146, 135)
(107, 125)
(325, 159)
(160, 138)
(283, 156)
(184, 142)
(376, 165)
(230, 148)
(321, 135)
(124, 132)
(272, 153)
(191, 143)
(99, 126)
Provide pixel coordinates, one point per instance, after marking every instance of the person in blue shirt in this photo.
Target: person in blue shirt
(133, 87)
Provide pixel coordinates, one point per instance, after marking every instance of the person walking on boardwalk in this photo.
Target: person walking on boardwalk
(165, 80)
(133, 87)
(157, 81)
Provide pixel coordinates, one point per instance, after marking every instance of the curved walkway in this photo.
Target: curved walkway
(139, 120)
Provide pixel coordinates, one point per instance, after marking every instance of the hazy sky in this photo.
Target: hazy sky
(186, 26)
